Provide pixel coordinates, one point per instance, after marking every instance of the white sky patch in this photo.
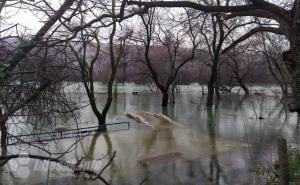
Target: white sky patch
(19, 14)
(26, 19)
(29, 22)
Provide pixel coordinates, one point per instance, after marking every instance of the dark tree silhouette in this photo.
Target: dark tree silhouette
(287, 17)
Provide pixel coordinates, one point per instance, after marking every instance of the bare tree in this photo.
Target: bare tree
(216, 33)
(89, 44)
(34, 89)
(171, 51)
(278, 68)
(240, 63)
(19, 88)
(285, 14)
(214, 46)
(61, 26)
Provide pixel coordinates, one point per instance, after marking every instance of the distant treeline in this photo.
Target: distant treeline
(132, 69)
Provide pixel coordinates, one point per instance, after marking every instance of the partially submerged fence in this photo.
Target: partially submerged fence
(63, 134)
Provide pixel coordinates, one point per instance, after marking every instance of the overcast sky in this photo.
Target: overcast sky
(28, 19)
(14, 15)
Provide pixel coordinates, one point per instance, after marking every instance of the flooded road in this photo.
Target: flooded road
(218, 146)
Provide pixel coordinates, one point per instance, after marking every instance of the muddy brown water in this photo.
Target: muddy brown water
(220, 146)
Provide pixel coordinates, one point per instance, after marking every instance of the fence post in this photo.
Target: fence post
(283, 161)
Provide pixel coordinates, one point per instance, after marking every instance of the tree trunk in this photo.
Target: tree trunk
(213, 87)
(109, 100)
(165, 99)
(210, 93)
(3, 134)
(102, 120)
(296, 84)
(3, 130)
(217, 84)
(114, 63)
(245, 89)
(243, 86)
(172, 99)
(101, 123)
(173, 89)
(124, 73)
(100, 117)
(295, 47)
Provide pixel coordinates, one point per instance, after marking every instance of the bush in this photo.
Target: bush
(271, 173)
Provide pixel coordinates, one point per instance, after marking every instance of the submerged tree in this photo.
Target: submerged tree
(34, 90)
(285, 15)
(214, 43)
(62, 24)
(216, 33)
(163, 51)
(240, 63)
(272, 47)
(19, 87)
(88, 53)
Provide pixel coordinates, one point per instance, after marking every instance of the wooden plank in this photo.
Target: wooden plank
(160, 158)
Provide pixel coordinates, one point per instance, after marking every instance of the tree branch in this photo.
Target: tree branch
(75, 167)
(251, 33)
(22, 50)
(188, 4)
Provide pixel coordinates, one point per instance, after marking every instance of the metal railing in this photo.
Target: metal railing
(68, 133)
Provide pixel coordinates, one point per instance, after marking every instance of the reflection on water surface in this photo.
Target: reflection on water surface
(218, 146)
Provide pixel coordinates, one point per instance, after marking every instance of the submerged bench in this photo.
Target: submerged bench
(160, 158)
(62, 134)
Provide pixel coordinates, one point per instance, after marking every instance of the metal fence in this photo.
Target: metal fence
(69, 133)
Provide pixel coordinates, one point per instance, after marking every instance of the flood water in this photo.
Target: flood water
(218, 146)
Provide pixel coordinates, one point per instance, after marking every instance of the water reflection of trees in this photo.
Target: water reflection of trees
(192, 169)
(215, 169)
(91, 151)
(162, 138)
